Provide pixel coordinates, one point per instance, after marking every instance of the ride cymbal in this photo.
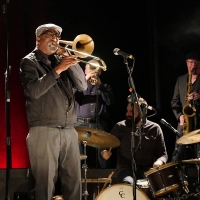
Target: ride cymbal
(190, 138)
(96, 138)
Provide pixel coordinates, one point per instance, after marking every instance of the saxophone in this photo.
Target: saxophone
(189, 111)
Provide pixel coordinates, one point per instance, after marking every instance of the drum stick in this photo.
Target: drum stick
(110, 149)
(108, 179)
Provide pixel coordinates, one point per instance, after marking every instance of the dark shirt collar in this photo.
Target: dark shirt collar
(41, 56)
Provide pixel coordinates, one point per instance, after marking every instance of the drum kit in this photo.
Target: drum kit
(167, 182)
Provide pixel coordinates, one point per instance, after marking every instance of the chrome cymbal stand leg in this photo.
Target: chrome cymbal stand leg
(184, 181)
(197, 185)
(85, 193)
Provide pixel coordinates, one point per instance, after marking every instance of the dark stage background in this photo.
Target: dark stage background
(158, 33)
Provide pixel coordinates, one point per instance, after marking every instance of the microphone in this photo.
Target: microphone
(147, 106)
(117, 51)
(170, 127)
(129, 99)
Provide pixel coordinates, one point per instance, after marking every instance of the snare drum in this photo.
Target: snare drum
(143, 185)
(121, 191)
(163, 179)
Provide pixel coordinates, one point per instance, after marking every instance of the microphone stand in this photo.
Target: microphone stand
(197, 145)
(134, 98)
(7, 105)
(178, 147)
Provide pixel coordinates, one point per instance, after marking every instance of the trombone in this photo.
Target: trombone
(82, 47)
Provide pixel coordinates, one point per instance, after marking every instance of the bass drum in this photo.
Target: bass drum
(121, 191)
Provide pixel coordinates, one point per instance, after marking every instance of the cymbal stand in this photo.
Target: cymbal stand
(85, 167)
(198, 183)
(185, 182)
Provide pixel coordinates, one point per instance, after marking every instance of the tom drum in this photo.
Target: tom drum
(163, 179)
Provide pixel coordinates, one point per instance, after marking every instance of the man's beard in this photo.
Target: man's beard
(128, 121)
(51, 47)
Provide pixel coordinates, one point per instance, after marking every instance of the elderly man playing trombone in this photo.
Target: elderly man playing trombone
(52, 140)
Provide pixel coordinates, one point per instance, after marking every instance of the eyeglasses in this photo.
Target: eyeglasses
(193, 61)
(51, 34)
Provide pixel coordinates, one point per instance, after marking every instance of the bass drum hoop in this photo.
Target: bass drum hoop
(122, 185)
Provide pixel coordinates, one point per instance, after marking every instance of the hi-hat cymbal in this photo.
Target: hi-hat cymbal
(190, 138)
(58, 197)
(96, 138)
(83, 157)
(192, 161)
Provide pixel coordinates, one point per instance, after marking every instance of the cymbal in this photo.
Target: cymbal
(83, 157)
(58, 197)
(192, 161)
(96, 138)
(190, 138)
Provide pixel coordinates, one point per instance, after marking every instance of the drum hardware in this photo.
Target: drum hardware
(94, 186)
(190, 138)
(197, 163)
(183, 180)
(58, 197)
(192, 161)
(96, 138)
(83, 157)
(143, 185)
(85, 193)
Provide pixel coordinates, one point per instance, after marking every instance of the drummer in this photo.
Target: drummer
(150, 150)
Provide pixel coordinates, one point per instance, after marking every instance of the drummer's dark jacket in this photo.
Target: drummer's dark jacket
(148, 148)
(49, 96)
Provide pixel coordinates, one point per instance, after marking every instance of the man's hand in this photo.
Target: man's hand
(89, 76)
(93, 77)
(194, 95)
(157, 163)
(66, 62)
(181, 120)
(106, 154)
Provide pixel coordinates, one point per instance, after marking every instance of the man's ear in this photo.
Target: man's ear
(38, 39)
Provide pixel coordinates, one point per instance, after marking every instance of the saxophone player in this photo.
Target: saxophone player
(187, 94)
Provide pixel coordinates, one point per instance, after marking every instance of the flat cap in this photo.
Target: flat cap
(44, 27)
(193, 55)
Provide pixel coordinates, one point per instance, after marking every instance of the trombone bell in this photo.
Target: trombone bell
(82, 47)
(82, 43)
